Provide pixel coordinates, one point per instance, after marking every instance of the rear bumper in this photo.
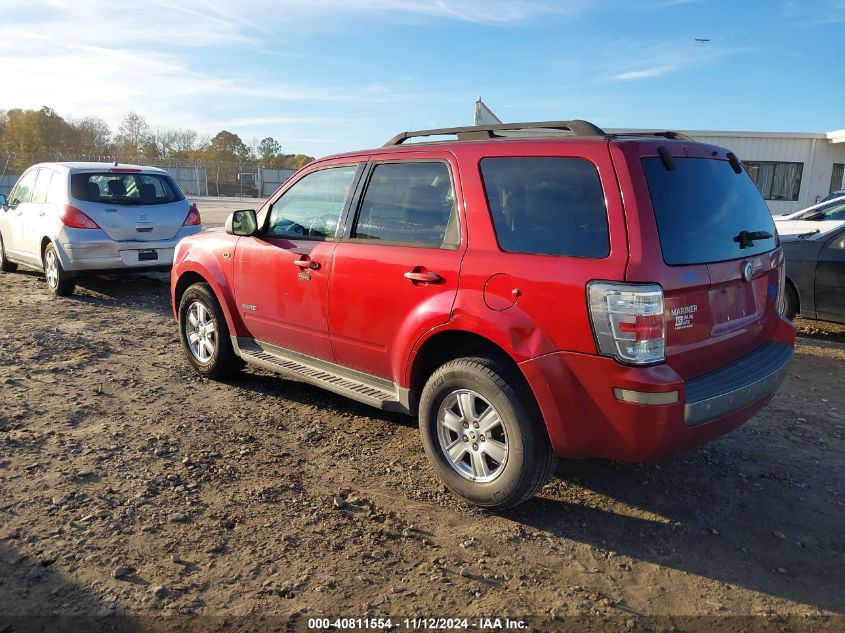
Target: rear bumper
(82, 251)
(595, 407)
(738, 385)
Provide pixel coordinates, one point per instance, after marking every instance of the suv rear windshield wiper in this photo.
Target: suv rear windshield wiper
(745, 239)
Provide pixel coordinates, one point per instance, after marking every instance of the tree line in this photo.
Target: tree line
(38, 135)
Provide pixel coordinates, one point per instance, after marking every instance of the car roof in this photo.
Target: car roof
(83, 166)
(520, 143)
(527, 133)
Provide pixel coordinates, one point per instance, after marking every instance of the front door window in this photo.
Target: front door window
(313, 205)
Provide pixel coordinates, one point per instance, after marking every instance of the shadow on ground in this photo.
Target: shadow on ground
(710, 513)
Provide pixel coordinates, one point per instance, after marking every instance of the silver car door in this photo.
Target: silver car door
(19, 199)
(35, 217)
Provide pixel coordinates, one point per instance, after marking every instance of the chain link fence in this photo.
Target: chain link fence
(196, 178)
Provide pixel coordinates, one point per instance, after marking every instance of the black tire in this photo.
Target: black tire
(790, 302)
(223, 362)
(5, 265)
(59, 282)
(530, 460)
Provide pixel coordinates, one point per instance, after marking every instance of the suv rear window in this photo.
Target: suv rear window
(124, 188)
(547, 206)
(702, 206)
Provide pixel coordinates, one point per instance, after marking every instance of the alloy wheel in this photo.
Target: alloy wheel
(472, 436)
(51, 269)
(201, 332)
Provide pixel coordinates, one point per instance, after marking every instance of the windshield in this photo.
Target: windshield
(124, 188)
(706, 212)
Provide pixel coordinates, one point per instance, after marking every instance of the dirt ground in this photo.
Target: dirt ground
(130, 486)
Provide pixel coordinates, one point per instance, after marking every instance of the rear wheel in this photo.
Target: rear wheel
(205, 335)
(483, 434)
(790, 302)
(57, 278)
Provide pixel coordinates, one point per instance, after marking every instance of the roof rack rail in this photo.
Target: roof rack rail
(483, 132)
(657, 133)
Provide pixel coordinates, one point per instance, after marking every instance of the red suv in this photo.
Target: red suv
(528, 291)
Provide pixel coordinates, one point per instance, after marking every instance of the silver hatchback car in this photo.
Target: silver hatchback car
(75, 219)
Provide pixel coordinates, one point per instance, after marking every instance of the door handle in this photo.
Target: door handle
(423, 277)
(306, 262)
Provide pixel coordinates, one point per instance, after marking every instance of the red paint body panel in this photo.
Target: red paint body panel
(275, 304)
(584, 419)
(376, 314)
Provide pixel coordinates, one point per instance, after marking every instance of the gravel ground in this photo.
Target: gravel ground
(130, 486)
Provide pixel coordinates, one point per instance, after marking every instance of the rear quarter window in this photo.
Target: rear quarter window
(547, 206)
(702, 206)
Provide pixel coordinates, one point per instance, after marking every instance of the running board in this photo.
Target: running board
(359, 386)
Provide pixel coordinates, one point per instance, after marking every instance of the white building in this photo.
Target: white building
(792, 170)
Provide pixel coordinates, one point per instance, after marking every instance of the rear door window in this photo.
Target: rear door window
(701, 208)
(547, 206)
(42, 186)
(124, 188)
(409, 202)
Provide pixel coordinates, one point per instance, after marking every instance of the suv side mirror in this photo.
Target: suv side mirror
(3, 201)
(243, 223)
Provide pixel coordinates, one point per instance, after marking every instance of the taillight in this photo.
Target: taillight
(76, 219)
(193, 218)
(781, 286)
(628, 321)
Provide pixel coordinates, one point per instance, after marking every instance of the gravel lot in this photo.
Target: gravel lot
(130, 486)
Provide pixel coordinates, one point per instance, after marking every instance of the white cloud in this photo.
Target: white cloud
(98, 57)
(647, 73)
(662, 59)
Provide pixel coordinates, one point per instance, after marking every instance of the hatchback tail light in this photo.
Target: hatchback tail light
(781, 286)
(628, 321)
(193, 218)
(76, 219)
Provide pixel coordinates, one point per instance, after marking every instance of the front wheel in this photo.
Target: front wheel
(57, 278)
(205, 335)
(5, 265)
(483, 434)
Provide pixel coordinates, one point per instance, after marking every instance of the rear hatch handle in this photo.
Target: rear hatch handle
(745, 239)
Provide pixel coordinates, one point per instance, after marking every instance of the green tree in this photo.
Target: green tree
(227, 146)
(268, 149)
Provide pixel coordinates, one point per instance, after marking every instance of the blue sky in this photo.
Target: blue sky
(323, 76)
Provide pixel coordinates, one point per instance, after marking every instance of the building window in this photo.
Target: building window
(836, 183)
(776, 181)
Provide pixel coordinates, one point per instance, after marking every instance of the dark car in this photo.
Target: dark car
(815, 275)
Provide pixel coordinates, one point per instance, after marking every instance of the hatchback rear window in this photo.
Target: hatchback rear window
(124, 188)
(547, 206)
(701, 208)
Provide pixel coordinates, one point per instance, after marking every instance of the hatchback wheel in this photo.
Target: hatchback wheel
(483, 435)
(57, 278)
(205, 335)
(5, 265)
